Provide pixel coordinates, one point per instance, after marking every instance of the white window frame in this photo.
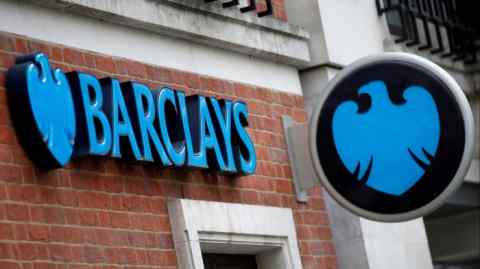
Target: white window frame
(224, 228)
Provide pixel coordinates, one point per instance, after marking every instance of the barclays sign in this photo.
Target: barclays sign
(60, 115)
(392, 137)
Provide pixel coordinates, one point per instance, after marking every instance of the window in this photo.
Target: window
(235, 229)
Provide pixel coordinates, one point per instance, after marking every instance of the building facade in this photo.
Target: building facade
(276, 56)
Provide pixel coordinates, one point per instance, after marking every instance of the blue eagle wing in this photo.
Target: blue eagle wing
(423, 135)
(55, 118)
(352, 139)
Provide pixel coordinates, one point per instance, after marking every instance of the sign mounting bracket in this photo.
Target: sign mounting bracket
(304, 176)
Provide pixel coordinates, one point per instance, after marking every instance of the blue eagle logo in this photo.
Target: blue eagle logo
(389, 147)
(52, 106)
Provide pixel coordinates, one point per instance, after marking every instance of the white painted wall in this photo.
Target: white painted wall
(116, 40)
(352, 29)
(396, 245)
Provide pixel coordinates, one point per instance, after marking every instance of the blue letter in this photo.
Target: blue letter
(193, 159)
(203, 136)
(223, 126)
(142, 101)
(244, 149)
(170, 126)
(94, 135)
(119, 118)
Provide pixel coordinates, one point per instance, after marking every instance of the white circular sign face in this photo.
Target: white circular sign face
(392, 137)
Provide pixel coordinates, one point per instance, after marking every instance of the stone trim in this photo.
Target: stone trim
(265, 38)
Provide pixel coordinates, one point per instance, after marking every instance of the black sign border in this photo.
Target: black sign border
(381, 212)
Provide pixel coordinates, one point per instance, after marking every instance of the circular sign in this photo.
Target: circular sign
(392, 137)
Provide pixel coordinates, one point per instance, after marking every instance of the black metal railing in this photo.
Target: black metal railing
(441, 26)
(252, 6)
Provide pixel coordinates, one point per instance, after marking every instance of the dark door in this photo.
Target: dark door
(225, 261)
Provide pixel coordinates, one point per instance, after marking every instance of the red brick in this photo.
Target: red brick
(271, 199)
(73, 56)
(136, 69)
(303, 232)
(56, 54)
(280, 13)
(3, 192)
(89, 236)
(158, 206)
(4, 116)
(86, 181)
(27, 194)
(6, 231)
(156, 257)
(192, 80)
(284, 186)
(142, 257)
(112, 184)
(17, 212)
(304, 248)
(9, 265)
(105, 64)
(3, 80)
(170, 259)
(95, 200)
(120, 220)
(71, 216)
(6, 43)
(66, 234)
(25, 251)
(250, 197)
(156, 73)
(316, 218)
(20, 157)
(316, 203)
(21, 45)
(178, 78)
(326, 262)
(90, 60)
(104, 219)
(39, 232)
(67, 198)
(93, 254)
(320, 248)
(54, 215)
(43, 252)
(308, 262)
(243, 91)
(7, 135)
(61, 253)
(88, 218)
(35, 46)
(44, 265)
(6, 60)
(6, 251)
(2, 212)
(321, 233)
(121, 66)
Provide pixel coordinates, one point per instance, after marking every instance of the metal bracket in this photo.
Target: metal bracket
(304, 176)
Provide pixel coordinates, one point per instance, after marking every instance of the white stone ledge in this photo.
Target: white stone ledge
(206, 24)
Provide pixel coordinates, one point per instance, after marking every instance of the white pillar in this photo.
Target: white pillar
(343, 31)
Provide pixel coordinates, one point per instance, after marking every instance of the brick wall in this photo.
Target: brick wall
(110, 214)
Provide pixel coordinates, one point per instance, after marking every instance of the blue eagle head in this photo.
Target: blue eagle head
(389, 147)
(47, 99)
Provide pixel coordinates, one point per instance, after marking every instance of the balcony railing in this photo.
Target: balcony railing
(442, 27)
